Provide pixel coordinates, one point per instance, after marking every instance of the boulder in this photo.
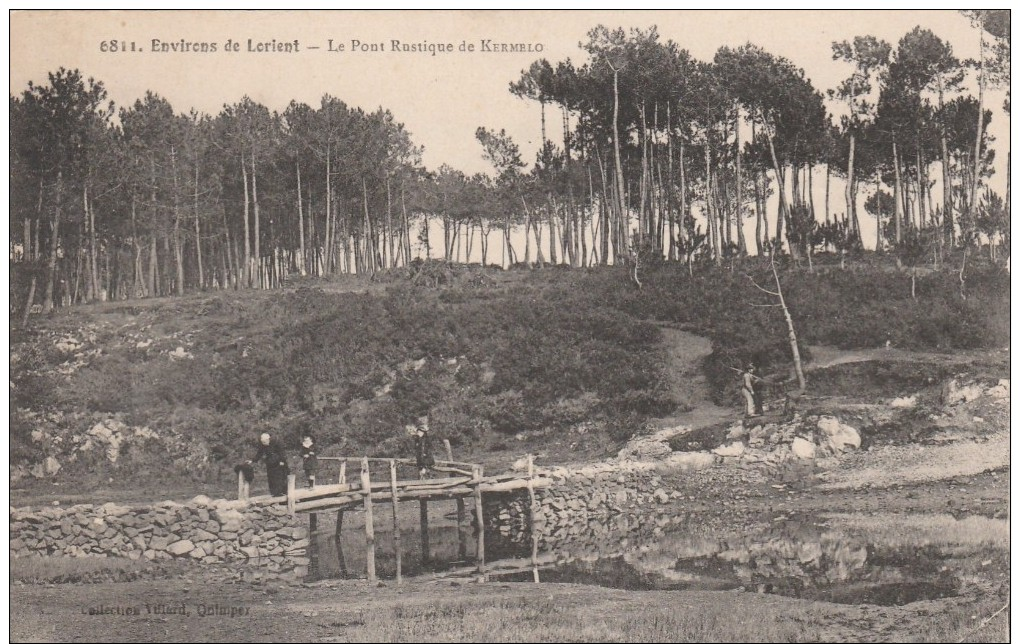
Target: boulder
(690, 460)
(182, 547)
(114, 510)
(954, 393)
(802, 448)
(251, 552)
(653, 446)
(228, 504)
(201, 500)
(230, 520)
(809, 551)
(733, 449)
(839, 437)
(737, 430)
(46, 469)
(1001, 390)
(159, 543)
(299, 544)
(905, 402)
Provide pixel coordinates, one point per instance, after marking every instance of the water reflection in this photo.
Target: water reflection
(794, 557)
(345, 557)
(790, 557)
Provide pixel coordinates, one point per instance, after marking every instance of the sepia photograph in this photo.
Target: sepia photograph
(509, 325)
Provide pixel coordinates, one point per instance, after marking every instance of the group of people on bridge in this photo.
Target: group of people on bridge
(270, 451)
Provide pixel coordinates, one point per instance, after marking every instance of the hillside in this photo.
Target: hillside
(171, 392)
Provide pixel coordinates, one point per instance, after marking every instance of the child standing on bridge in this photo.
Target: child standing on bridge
(309, 460)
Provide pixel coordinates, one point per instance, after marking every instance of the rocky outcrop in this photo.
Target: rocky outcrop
(960, 390)
(64, 438)
(202, 530)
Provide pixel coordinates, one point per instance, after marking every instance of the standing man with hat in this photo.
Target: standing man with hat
(276, 464)
(423, 447)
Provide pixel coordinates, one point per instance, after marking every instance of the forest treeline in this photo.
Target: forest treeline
(645, 150)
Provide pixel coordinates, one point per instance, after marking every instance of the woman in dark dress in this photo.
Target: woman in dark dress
(276, 464)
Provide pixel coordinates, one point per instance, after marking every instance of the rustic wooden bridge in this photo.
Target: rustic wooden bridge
(455, 480)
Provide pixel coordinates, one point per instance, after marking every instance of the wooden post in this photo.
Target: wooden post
(461, 530)
(480, 554)
(531, 516)
(338, 539)
(343, 473)
(313, 523)
(366, 487)
(423, 526)
(461, 537)
(396, 522)
(242, 487)
(291, 479)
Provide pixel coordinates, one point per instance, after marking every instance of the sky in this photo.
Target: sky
(441, 98)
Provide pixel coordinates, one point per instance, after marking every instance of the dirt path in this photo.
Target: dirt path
(823, 357)
(684, 355)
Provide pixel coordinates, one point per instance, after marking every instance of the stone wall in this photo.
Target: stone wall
(201, 529)
(591, 500)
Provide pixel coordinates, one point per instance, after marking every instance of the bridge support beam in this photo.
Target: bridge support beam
(480, 552)
(366, 484)
(396, 521)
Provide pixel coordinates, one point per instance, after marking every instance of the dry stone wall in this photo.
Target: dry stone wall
(202, 530)
(591, 500)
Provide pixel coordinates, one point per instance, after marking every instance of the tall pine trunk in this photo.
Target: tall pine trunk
(784, 210)
(178, 243)
(54, 244)
(90, 215)
(255, 204)
(976, 177)
(247, 230)
(739, 206)
(898, 194)
(198, 232)
(624, 248)
(301, 222)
